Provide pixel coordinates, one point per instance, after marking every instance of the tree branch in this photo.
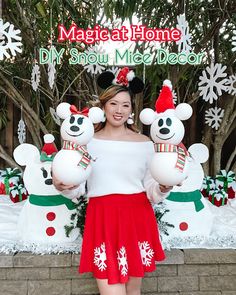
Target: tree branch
(15, 95)
(231, 159)
(4, 155)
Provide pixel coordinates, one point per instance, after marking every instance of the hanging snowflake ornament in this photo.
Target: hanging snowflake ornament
(9, 47)
(231, 85)
(113, 70)
(21, 131)
(174, 96)
(94, 68)
(184, 44)
(234, 41)
(52, 68)
(35, 77)
(55, 117)
(214, 116)
(212, 83)
(51, 74)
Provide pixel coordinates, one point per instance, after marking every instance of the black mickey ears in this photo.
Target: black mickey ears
(136, 85)
(124, 77)
(105, 79)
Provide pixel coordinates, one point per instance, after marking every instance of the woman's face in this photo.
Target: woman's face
(118, 109)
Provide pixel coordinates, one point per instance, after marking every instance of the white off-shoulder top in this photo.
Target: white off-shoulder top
(121, 167)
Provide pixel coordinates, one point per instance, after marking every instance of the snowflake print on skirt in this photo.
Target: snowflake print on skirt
(100, 257)
(122, 261)
(146, 252)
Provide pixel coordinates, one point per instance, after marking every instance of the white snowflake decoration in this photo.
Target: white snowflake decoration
(213, 117)
(231, 85)
(174, 96)
(52, 68)
(122, 261)
(8, 34)
(209, 87)
(234, 41)
(100, 257)
(51, 74)
(113, 70)
(146, 252)
(21, 131)
(55, 117)
(94, 68)
(35, 77)
(184, 44)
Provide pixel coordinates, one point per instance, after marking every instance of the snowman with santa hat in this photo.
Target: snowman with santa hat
(174, 164)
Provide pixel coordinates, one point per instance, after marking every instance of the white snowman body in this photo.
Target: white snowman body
(167, 131)
(190, 219)
(42, 220)
(71, 164)
(66, 168)
(163, 168)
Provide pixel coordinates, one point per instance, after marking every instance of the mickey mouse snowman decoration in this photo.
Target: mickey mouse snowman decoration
(46, 212)
(169, 165)
(71, 164)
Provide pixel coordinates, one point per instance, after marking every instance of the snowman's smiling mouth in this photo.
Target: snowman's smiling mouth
(75, 135)
(165, 138)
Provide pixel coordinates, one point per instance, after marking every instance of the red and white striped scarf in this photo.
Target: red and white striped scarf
(86, 158)
(171, 148)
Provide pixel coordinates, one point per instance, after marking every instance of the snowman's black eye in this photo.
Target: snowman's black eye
(72, 119)
(168, 122)
(160, 123)
(80, 120)
(45, 174)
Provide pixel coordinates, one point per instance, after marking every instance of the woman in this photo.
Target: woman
(121, 239)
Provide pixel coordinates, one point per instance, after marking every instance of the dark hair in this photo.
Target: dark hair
(109, 93)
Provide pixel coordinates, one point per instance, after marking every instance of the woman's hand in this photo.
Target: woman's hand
(164, 188)
(60, 186)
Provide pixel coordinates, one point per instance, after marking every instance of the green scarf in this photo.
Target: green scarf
(194, 196)
(54, 200)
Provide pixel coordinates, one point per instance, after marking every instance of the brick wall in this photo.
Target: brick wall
(185, 272)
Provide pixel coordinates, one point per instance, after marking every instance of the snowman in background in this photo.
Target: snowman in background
(173, 164)
(46, 211)
(189, 211)
(71, 165)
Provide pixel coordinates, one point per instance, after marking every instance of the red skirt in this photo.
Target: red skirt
(121, 238)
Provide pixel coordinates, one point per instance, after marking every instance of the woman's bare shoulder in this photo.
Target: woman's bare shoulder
(98, 135)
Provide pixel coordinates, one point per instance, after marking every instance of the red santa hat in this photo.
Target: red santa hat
(49, 149)
(165, 99)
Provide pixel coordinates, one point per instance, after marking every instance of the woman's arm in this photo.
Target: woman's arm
(155, 192)
(69, 191)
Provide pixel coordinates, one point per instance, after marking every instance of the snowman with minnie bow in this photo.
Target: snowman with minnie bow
(71, 164)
